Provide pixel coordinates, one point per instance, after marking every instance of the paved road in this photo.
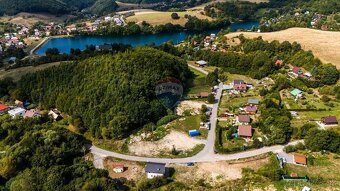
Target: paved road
(206, 155)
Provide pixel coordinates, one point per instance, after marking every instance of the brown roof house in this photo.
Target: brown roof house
(240, 87)
(245, 131)
(300, 159)
(243, 119)
(297, 70)
(329, 120)
(251, 109)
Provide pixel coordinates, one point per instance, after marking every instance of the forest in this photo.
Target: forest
(40, 156)
(111, 95)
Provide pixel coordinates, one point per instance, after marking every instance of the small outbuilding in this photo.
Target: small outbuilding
(300, 159)
(253, 102)
(297, 70)
(17, 112)
(329, 120)
(201, 63)
(154, 169)
(194, 133)
(296, 93)
(118, 168)
(203, 94)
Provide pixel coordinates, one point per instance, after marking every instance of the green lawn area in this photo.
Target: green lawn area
(198, 84)
(187, 123)
(323, 174)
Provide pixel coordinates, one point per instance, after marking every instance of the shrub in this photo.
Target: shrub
(166, 119)
(325, 98)
(152, 183)
(174, 16)
(211, 98)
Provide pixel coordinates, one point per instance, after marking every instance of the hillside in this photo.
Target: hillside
(11, 7)
(103, 7)
(111, 95)
(323, 44)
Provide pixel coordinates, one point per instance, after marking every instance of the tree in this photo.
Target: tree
(52, 52)
(211, 98)
(174, 16)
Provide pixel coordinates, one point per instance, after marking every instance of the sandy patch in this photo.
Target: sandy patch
(175, 139)
(325, 45)
(132, 171)
(193, 106)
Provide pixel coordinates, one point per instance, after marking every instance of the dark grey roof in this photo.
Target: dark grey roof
(254, 101)
(238, 82)
(155, 168)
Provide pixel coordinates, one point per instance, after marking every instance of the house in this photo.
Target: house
(245, 131)
(329, 120)
(299, 159)
(251, 109)
(240, 87)
(194, 133)
(243, 119)
(118, 168)
(17, 112)
(201, 63)
(31, 114)
(296, 93)
(253, 102)
(237, 82)
(3, 108)
(55, 115)
(203, 94)
(154, 169)
(296, 70)
(279, 63)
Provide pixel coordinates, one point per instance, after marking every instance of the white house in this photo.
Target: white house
(154, 169)
(17, 112)
(119, 168)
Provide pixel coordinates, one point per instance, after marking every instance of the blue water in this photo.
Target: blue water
(65, 44)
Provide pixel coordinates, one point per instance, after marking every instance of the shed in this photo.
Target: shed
(203, 94)
(201, 63)
(296, 92)
(329, 120)
(118, 168)
(17, 112)
(300, 159)
(297, 70)
(254, 101)
(194, 133)
(154, 169)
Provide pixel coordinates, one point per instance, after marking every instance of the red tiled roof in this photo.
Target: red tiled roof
(279, 62)
(3, 107)
(243, 118)
(204, 94)
(245, 130)
(296, 69)
(240, 86)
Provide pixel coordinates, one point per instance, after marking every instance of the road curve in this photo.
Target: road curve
(206, 155)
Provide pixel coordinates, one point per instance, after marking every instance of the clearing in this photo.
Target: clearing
(132, 170)
(178, 140)
(17, 73)
(28, 19)
(159, 18)
(325, 45)
(193, 106)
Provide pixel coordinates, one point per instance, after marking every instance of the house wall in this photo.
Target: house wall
(152, 175)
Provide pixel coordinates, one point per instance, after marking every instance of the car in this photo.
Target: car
(190, 164)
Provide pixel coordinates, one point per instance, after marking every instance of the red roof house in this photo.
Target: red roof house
(240, 87)
(297, 70)
(279, 62)
(3, 108)
(245, 131)
(243, 119)
(330, 120)
(251, 109)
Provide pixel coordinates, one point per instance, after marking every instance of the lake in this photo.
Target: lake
(65, 44)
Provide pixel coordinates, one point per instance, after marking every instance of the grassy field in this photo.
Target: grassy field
(198, 84)
(17, 73)
(324, 44)
(29, 19)
(158, 18)
(189, 123)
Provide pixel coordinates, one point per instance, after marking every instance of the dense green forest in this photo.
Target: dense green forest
(11, 7)
(103, 7)
(111, 95)
(40, 156)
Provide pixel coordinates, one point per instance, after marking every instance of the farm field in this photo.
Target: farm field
(324, 44)
(29, 19)
(158, 18)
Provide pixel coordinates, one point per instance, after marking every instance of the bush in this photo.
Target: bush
(325, 98)
(152, 183)
(211, 98)
(174, 16)
(166, 119)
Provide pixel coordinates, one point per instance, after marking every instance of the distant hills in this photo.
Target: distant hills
(11, 7)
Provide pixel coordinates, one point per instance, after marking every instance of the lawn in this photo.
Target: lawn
(198, 83)
(159, 18)
(189, 123)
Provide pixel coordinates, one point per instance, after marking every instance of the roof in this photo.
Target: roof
(240, 86)
(253, 101)
(227, 87)
(279, 62)
(118, 166)
(330, 119)
(300, 158)
(296, 70)
(204, 94)
(251, 108)
(31, 114)
(245, 130)
(238, 82)
(201, 62)
(16, 111)
(296, 92)
(3, 107)
(158, 168)
(243, 118)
